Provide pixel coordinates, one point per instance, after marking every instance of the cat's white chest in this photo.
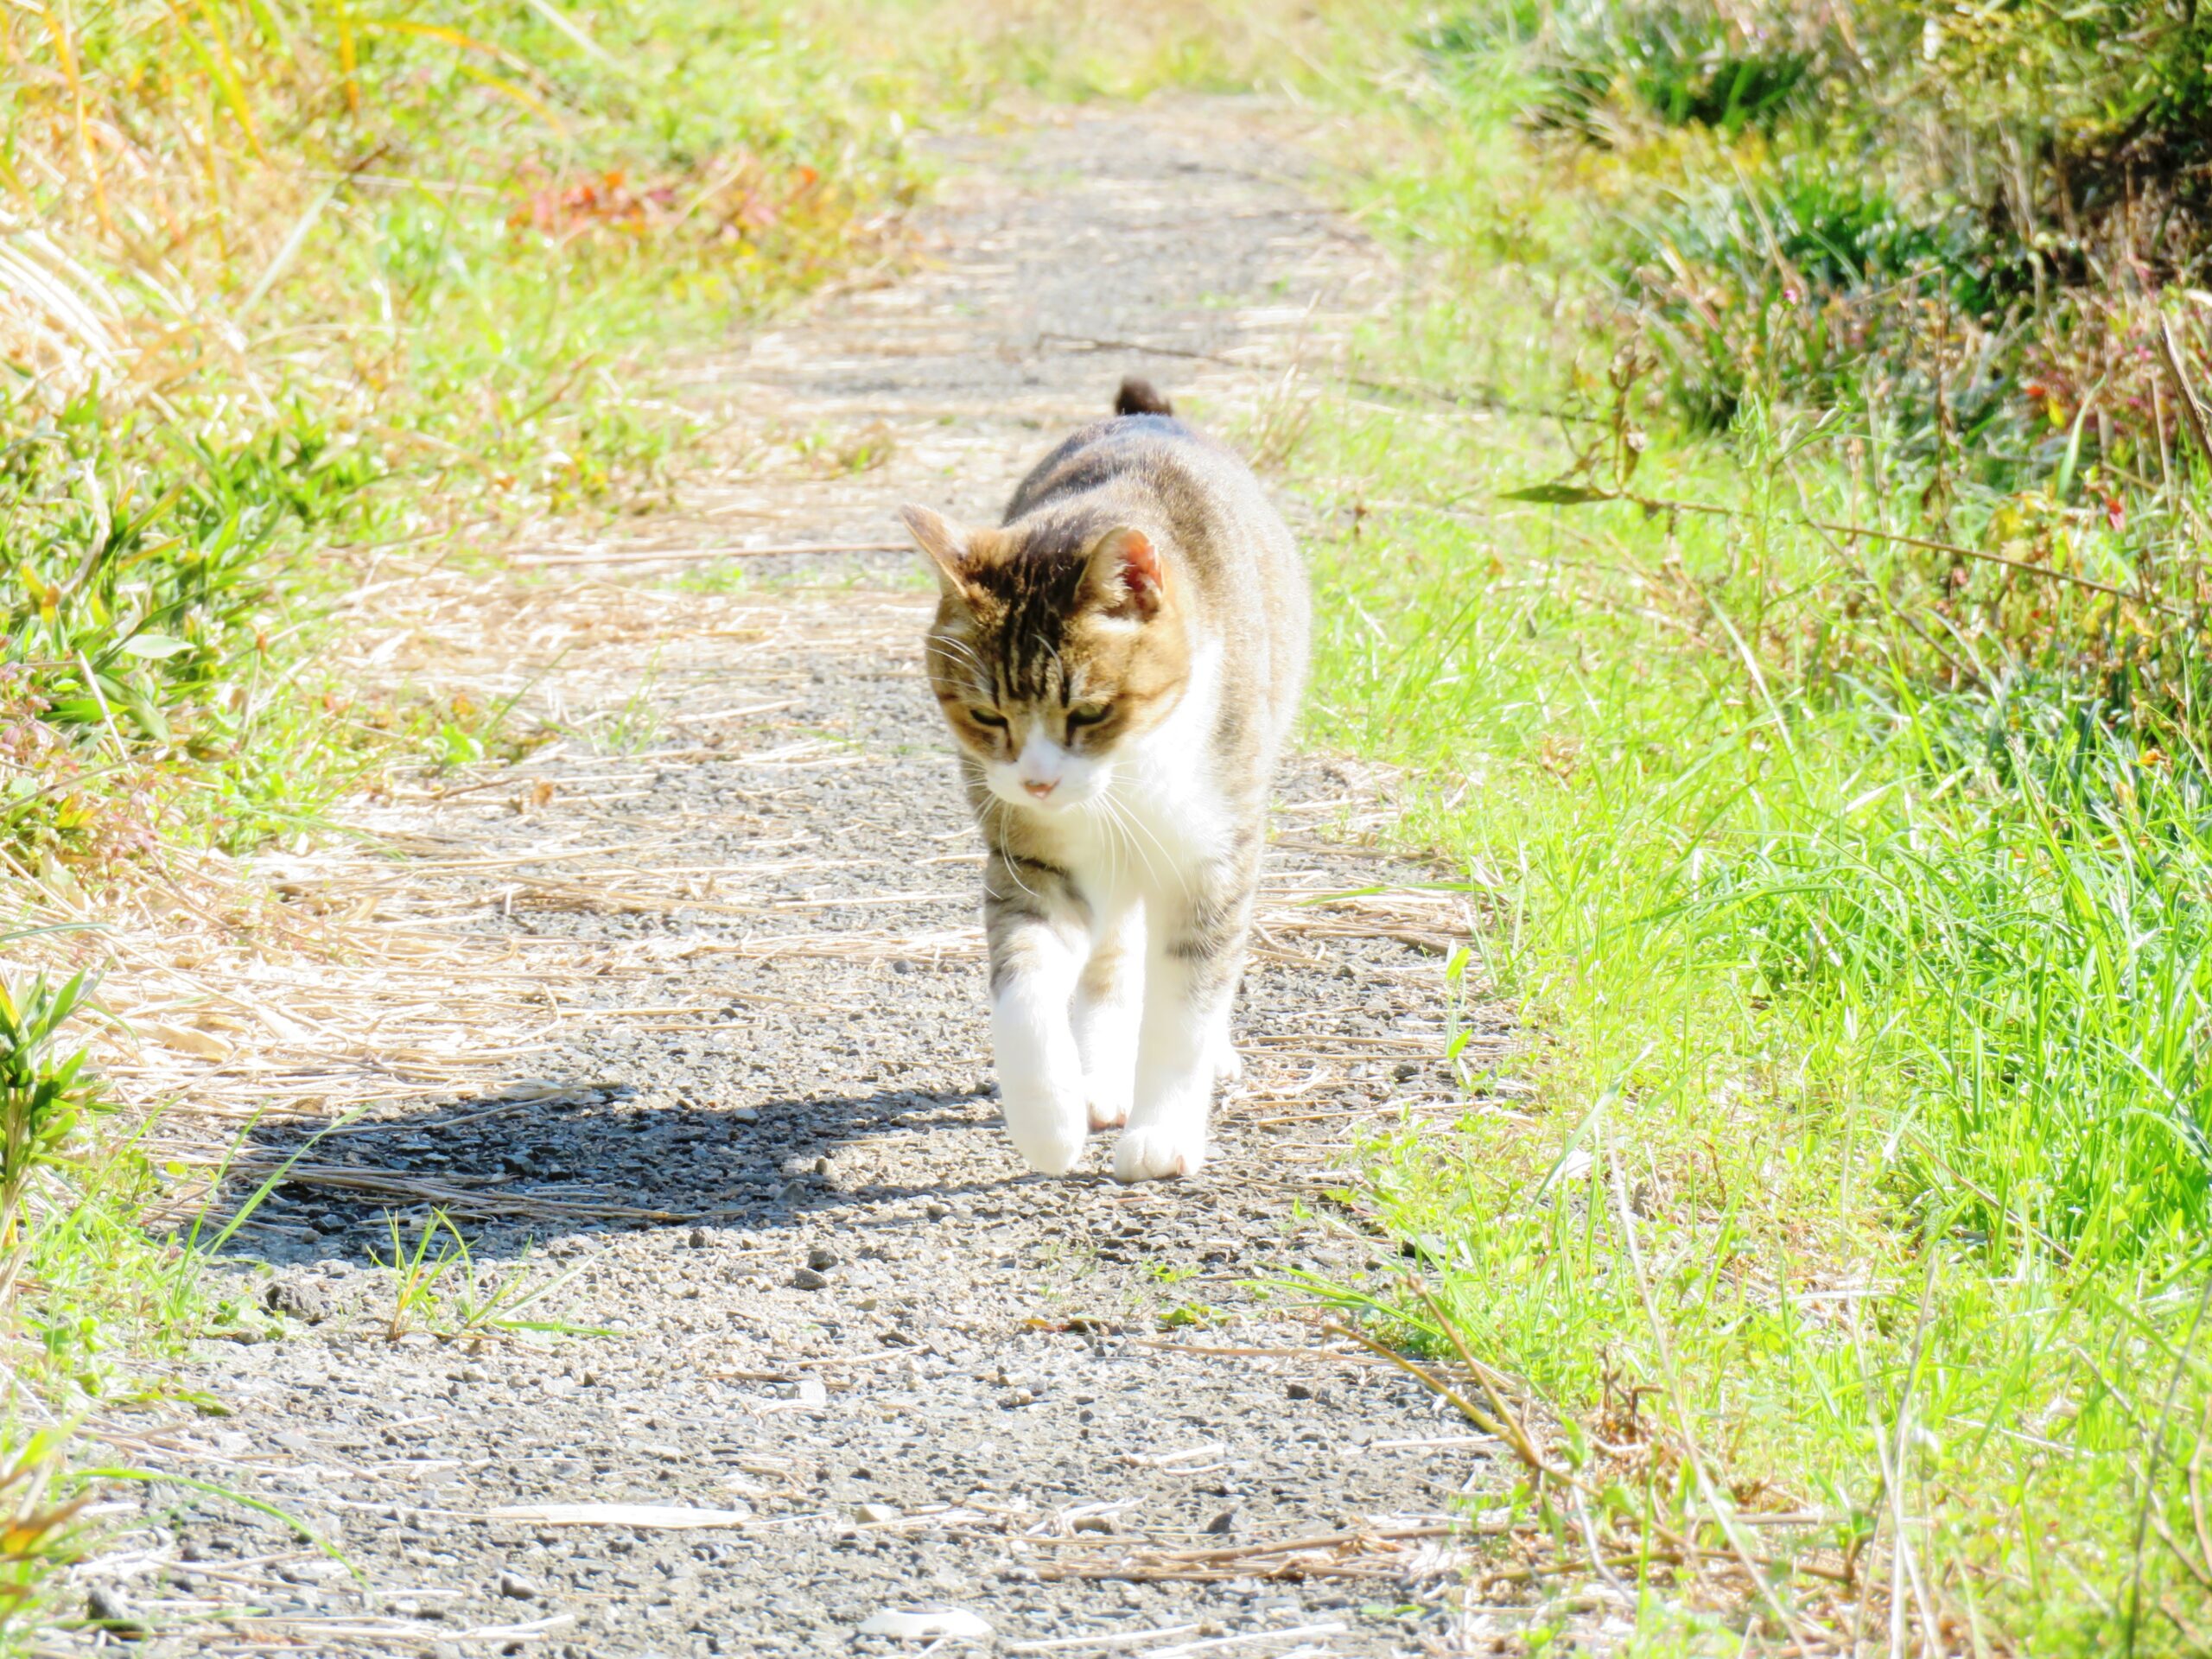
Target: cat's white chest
(1163, 819)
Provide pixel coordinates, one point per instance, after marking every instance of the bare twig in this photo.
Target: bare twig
(1483, 400)
(2192, 411)
(1659, 504)
(679, 554)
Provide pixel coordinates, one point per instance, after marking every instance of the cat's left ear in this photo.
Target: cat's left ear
(1124, 573)
(945, 542)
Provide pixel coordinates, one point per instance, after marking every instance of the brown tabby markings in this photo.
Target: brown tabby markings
(1018, 608)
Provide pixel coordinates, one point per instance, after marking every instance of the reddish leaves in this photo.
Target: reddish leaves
(727, 198)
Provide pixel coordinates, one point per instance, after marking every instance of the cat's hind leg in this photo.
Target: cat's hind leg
(1108, 1012)
(1228, 1064)
(1038, 940)
(1194, 957)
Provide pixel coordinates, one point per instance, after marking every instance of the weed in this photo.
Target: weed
(439, 1286)
(637, 723)
(44, 1098)
(1829, 752)
(415, 1272)
(38, 1534)
(1186, 1315)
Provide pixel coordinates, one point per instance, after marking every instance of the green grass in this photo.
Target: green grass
(1852, 896)
(412, 276)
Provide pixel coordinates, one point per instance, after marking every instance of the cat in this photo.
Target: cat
(1119, 660)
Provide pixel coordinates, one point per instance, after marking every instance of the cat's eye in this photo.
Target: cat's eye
(989, 717)
(1087, 714)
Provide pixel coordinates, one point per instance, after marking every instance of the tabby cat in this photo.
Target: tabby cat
(1119, 661)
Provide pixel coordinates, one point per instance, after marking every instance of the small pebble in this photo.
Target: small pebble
(745, 1114)
(1093, 1523)
(698, 1239)
(935, 1210)
(519, 1588)
(1299, 1390)
(808, 1279)
(876, 1514)
(298, 1299)
(107, 1609)
(1224, 1523)
(821, 1258)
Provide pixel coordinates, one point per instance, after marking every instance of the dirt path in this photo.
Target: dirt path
(719, 950)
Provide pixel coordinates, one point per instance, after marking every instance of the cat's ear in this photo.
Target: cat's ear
(946, 544)
(1124, 577)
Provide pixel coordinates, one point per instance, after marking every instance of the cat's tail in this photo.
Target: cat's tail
(1137, 397)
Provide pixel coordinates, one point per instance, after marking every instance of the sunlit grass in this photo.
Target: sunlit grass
(283, 287)
(1870, 997)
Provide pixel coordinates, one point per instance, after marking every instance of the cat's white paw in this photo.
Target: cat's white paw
(1227, 1066)
(1046, 1125)
(1153, 1154)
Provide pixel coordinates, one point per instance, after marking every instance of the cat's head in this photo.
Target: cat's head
(1057, 645)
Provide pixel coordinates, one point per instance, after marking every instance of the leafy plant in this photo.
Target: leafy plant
(43, 1099)
(438, 1284)
(38, 1534)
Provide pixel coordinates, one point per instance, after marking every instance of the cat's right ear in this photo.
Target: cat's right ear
(945, 542)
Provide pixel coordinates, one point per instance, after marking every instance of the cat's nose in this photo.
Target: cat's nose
(1040, 789)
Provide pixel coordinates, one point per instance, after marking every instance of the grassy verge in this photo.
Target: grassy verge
(306, 283)
(289, 293)
(1817, 712)
(281, 287)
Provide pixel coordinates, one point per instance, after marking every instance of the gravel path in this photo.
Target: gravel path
(866, 1363)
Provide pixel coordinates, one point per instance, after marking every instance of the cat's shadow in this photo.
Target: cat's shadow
(514, 1175)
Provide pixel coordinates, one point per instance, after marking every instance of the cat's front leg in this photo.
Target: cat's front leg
(1191, 966)
(1038, 941)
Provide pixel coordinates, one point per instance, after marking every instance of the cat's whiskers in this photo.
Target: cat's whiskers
(1131, 826)
(1133, 849)
(1013, 868)
(1136, 825)
(965, 657)
(946, 642)
(1099, 810)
